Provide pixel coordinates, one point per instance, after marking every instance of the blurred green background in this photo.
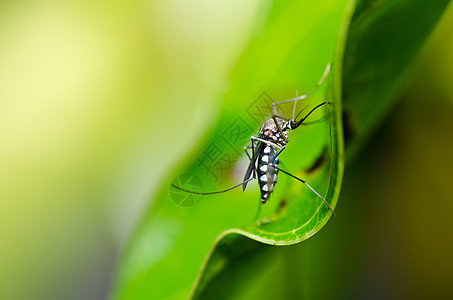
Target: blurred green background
(92, 95)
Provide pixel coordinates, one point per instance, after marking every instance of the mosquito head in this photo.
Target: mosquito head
(292, 124)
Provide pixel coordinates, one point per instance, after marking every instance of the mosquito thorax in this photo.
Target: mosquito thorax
(269, 128)
(270, 132)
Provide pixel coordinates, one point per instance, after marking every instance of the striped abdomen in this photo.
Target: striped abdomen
(267, 174)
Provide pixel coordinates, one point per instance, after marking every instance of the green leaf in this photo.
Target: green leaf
(288, 52)
(371, 49)
(214, 280)
(384, 41)
(285, 54)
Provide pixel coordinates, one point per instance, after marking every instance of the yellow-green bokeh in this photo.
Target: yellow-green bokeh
(94, 97)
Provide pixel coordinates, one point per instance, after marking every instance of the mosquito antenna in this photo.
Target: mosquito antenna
(315, 121)
(294, 119)
(211, 193)
(312, 189)
(309, 113)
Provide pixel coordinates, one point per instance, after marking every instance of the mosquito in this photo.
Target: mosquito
(270, 142)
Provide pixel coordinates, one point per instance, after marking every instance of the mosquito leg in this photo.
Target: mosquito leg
(212, 193)
(252, 160)
(324, 75)
(266, 142)
(277, 154)
(251, 168)
(253, 155)
(245, 150)
(280, 117)
(312, 189)
(233, 187)
(280, 129)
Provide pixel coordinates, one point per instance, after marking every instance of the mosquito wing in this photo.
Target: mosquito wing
(252, 163)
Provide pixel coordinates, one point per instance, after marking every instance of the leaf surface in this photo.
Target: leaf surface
(287, 53)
